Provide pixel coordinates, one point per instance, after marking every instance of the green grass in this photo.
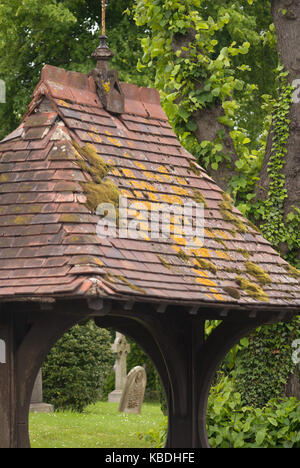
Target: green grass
(99, 426)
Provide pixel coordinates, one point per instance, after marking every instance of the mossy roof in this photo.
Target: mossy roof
(51, 182)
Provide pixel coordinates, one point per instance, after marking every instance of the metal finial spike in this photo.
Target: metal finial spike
(103, 19)
(103, 54)
(108, 87)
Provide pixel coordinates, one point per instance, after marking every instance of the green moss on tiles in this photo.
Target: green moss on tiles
(69, 218)
(3, 178)
(195, 169)
(226, 209)
(112, 279)
(233, 292)
(237, 271)
(252, 289)
(220, 241)
(131, 285)
(109, 277)
(164, 262)
(245, 253)
(97, 190)
(106, 192)
(207, 265)
(96, 167)
(22, 220)
(259, 273)
(254, 227)
(199, 198)
(292, 271)
(181, 254)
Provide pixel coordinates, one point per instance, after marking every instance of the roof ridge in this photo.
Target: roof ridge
(81, 89)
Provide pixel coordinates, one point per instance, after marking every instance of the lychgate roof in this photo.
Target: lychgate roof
(68, 154)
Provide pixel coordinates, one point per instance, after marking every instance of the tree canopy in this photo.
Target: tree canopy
(61, 33)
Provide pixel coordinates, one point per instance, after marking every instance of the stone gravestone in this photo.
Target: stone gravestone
(134, 391)
(37, 405)
(122, 349)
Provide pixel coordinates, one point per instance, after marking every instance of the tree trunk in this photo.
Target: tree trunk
(292, 388)
(286, 15)
(208, 126)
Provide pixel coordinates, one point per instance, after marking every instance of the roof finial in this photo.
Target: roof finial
(103, 54)
(108, 87)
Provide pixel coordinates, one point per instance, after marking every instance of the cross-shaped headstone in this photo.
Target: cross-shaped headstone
(122, 349)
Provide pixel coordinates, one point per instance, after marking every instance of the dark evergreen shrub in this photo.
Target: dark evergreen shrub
(77, 367)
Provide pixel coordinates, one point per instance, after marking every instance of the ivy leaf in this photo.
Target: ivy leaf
(260, 436)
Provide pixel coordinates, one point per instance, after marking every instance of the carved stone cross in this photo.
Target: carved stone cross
(122, 349)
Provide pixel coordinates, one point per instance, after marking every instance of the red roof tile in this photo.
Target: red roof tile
(49, 243)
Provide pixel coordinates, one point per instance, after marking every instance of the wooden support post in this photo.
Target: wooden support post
(25, 340)
(7, 383)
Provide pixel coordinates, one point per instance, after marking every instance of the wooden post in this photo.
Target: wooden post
(7, 383)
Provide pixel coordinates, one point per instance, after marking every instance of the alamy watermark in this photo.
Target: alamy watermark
(150, 221)
(296, 352)
(296, 93)
(2, 92)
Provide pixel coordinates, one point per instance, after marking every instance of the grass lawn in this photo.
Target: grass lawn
(99, 426)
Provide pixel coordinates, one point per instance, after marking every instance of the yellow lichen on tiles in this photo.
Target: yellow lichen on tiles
(136, 184)
(126, 154)
(139, 164)
(209, 296)
(128, 173)
(98, 261)
(180, 191)
(223, 254)
(178, 231)
(149, 175)
(144, 236)
(181, 181)
(222, 234)
(198, 270)
(144, 226)
(209, 233)
(152, 197)
(164, 171)
(116, 172)
(107, 133)
(198, 242)
(148, 187)
(115, 142)
(219, 297)
(138, 194)
(179, 240)
(171, 199)
(206, 282)
(201, 252)
(126, 193)
(62, 103)
(161, 178)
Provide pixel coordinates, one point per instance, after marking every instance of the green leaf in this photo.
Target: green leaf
(260, 436)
